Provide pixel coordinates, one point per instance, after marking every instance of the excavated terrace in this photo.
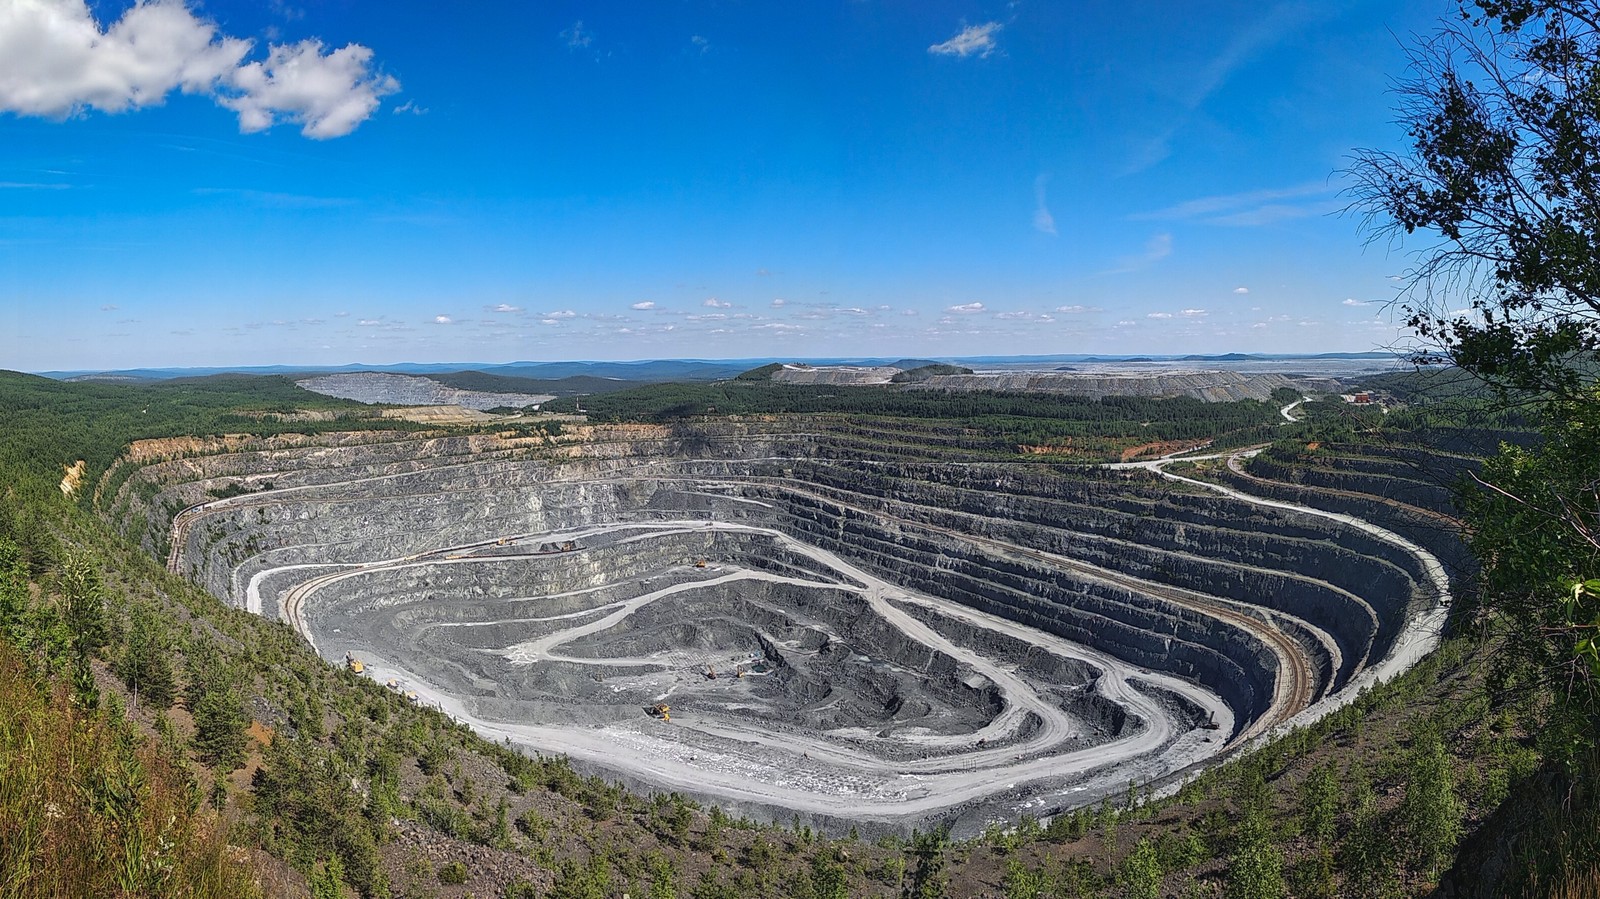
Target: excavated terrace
(847, 633)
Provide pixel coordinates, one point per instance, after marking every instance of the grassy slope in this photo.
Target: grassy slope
(88, 808)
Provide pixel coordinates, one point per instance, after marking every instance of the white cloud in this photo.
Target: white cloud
(974, 40)
(109, 307)
(327, 95)
(1157, 248)
(370, 322)
(1158, 315)
(1256, 207)
(1259, 325)
(564, 313)
(643, 305)
(714, 303)
(1078, 310)
(507, 307)
(411, 107)
(1043, 221)
(965, 308)
(1192, 313)
(56, 61)
(699, 43)
(1352, 301)
(442, 320)
(1241, 290)
(576, 37)
(778, 302)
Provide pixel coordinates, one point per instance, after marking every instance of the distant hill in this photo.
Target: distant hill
(931, 370)
(661, 370)
(575, 385)
(764, 373)
(651, 370)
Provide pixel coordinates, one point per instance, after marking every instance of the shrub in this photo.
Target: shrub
(453, 873)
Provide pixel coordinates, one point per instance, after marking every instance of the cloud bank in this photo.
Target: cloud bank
(56, 61)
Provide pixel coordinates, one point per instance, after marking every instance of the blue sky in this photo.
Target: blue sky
(229, 183)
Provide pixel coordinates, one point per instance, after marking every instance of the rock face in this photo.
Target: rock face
(838, 628)
(410, 390)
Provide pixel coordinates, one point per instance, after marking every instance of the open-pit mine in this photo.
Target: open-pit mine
(847, 627)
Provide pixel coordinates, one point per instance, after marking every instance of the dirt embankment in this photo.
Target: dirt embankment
(1160, 448)
(73, 477)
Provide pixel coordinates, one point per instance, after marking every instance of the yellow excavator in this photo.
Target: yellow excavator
(659, 710)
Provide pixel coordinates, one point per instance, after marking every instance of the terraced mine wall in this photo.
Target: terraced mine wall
(1396, 508)
(548, 590)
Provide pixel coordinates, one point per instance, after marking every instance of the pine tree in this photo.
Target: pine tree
(145, 665)
(1256, 869)
(1142, 872)
(929, 880)
(13, 586)
(828, 879)
(1367, 859)
(663, 878)
(1319, 805)
(1431, 813)
(219, 723)
(329, 882)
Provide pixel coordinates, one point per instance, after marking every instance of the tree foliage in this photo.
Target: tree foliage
(146, 662)
(83, 597)
(1503, 115)
(219, 719)
(1430, 812)
(1503, 168)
